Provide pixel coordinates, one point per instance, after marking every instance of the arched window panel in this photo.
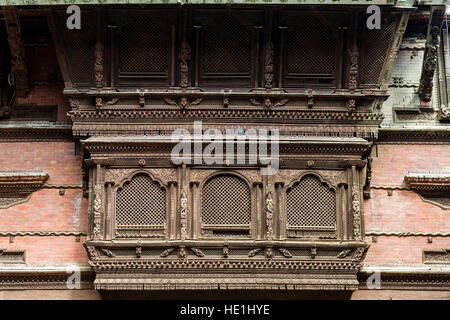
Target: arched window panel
(311, 208)
(226, 206)
(141, 204)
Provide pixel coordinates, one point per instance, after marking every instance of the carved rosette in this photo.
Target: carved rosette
(356, 208)
(183, 213)
(269, 215)
(98, 192)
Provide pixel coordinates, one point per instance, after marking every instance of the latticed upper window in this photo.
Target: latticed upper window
(311, 205)
(80, 46)
(375, 45)
(140, 203)
(226, 205)
(143, 46)
(227, 48)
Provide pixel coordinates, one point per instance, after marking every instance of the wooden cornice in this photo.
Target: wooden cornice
(428, 182)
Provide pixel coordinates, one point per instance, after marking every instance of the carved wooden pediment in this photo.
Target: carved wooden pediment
(17, 186)
(432, 187)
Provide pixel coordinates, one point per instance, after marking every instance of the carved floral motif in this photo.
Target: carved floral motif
(183, 214)
(353, 69)
(356, 215)
(98, 67)
(97, 211)
(184, 56)
(268, 72)
(269, 215)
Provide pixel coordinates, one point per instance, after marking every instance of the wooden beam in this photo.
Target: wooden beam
(431, 53)
(18, 61)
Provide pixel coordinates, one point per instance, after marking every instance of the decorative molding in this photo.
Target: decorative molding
(35, 133)
(407, 234)
(389, 187)
(277, 114)
(43, 280)
(42, 233)
(408, 280)
(415, 114)
(61, 186)
(413, 136)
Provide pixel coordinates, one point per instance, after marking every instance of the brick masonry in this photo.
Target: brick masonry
(404, 211)
(46, 210)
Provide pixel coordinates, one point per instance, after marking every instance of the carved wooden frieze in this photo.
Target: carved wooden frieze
(117, 176)
(436, 256)
(333, 177)
(12, 256)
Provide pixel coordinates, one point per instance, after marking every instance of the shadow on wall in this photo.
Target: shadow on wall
(227, 295)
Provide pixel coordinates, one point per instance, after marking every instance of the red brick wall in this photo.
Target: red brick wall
(404, 211)
(46, 210)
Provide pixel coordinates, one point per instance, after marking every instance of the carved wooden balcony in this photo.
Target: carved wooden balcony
(157, 226)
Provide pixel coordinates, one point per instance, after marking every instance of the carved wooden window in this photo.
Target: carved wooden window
(226, 48)
(143, 42)
(226, 206)
(374, 47)
(311, 48)
(141, 204)
(311, 207)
